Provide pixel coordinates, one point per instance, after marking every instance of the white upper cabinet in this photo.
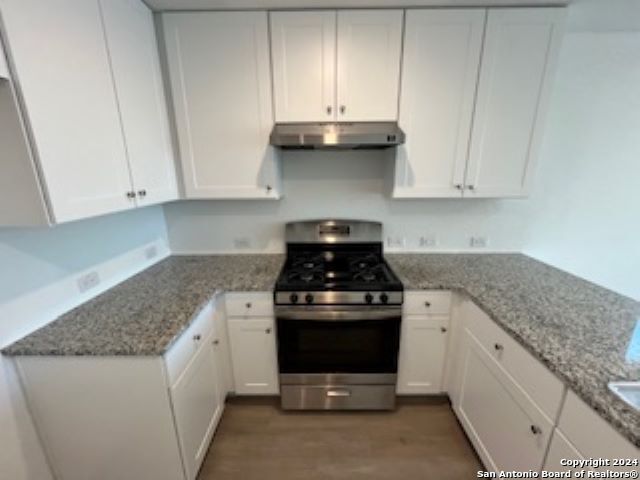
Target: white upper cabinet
(221, 85)
(62, 66)
(304, 57)
(521, 46)
(133, 50)
(368, 59)
(440, 70)
(336, 66)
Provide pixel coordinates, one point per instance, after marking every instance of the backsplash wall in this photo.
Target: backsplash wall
(342, 184)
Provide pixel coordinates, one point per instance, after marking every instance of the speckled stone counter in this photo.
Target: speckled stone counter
(581, 332)
(146, 313)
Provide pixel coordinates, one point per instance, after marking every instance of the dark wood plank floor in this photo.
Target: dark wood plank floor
(420, 440)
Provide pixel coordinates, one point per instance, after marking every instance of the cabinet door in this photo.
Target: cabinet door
(439, 74)
(422, 352)
(520, 50)
(136, 70)
(62, 68)
(303, 46)
(253, 355)
(221, 85)
(369, 48)
(507, 429)
(197, 408)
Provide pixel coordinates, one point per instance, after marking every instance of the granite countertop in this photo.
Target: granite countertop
(580, 331)
(146, 313)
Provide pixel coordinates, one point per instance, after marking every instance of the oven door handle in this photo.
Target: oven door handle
(338, 315)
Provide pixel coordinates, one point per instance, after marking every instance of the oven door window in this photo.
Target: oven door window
(364, 346)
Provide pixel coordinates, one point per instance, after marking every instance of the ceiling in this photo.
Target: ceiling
(300, 4)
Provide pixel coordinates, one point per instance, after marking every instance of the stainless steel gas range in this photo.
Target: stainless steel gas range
(338, 307)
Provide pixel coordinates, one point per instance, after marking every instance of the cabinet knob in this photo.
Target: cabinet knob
(443, 329)
(329, 109)
(427, 304)
(471, 187)
(131, 194)
(267, 331)
(248, 304)
(269, 188)
(216, 342)
(142, 193)
(498, 347)
(343, 109)
(197, 337)
(458, 186)
(536, 430)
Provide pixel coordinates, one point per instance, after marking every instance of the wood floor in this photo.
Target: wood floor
(256, 440)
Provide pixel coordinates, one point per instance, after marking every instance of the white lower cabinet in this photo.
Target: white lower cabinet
(197, 404)
(253, 354)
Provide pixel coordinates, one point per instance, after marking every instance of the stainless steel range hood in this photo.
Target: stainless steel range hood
(337, 136)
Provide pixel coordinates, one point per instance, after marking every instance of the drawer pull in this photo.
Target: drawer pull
(427, 304)
(498, 347)
(267, 331)
(216, 342)
(197, 337)
(248, 304)
(338, 393)
(536, 430)
(443, 329)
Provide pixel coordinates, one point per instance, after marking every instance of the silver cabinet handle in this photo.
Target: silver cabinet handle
(329, 109)
(498, 347)
(536, 430)
(343, 109)
(197, 337)
(267, 331)
(142, 193)
(338, 393)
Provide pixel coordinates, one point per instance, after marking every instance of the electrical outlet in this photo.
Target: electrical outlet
(150, 252)
(478, 242)
(428, 241)
(87, 281)
(395, 242)
(242, 243)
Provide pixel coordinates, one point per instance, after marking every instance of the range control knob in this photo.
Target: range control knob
(384, 298)
(368, 298)
(308, 298)
(293, 298)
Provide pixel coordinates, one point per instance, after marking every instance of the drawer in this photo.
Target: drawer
(184, 349)
(249, 304)
(540, 384)
(426, 303)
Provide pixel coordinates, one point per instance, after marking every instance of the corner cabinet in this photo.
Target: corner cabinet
(219, 69)
(473, 100)
(336, 65)
(94, 115)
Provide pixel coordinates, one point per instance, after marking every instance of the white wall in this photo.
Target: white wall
(585, 210)
(342, 184)
(38, 272)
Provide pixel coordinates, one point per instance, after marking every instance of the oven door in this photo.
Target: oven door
(343, 345)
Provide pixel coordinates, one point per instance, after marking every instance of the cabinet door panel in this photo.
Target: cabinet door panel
(422, 353)
(369, 48)
(219, 70)
(197, 407)
(62, 68)
(500, 419)
(520, 51)
(439, 75)
(303, 55)
(253, 355)
(136, 70)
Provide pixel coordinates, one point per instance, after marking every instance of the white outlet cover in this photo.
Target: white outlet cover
(428, 241)
(241, 242)
(88, 281)
(478, 242)
(150, 252)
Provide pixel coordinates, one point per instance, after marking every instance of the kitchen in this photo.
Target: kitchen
(519, 156)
